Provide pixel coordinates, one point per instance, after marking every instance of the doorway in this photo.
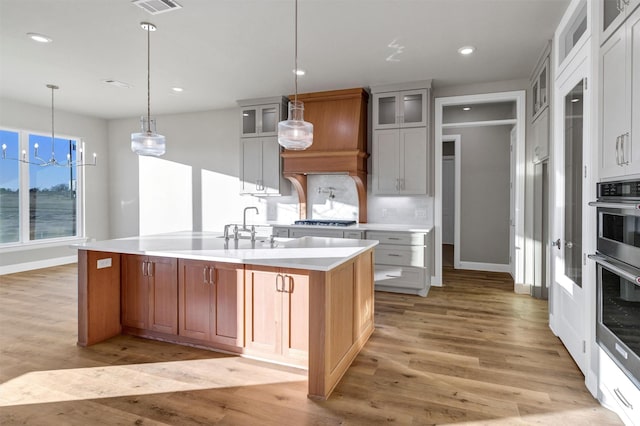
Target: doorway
(515, 256)
(450, 193)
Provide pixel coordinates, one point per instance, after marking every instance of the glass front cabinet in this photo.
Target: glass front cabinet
(612, 14)
(400, 109)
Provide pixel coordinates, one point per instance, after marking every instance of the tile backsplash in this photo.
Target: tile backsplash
(332, 197)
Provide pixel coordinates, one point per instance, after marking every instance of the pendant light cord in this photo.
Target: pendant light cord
(53, 139)
(295, 70)
(148, 78)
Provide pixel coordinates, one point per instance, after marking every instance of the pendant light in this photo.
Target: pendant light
(295, 133)
(148, 142)
(52, 160)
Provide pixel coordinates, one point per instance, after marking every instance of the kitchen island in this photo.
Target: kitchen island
(306, 302)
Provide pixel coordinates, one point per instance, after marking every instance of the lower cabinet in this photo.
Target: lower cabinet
(277, 314)
(149, 293)
(210, 301)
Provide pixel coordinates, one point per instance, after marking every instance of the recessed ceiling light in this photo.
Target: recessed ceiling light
(574, 100)
(117, 83)
(466, 108)
(466, 50)
(177, 89)
(40, 38)
(299, 71)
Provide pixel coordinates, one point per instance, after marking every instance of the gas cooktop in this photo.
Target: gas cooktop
(325, 222)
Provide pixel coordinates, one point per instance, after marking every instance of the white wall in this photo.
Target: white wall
(19, 115)
(207, 143)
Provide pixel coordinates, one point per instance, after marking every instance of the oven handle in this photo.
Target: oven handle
(618, 270)
(621, 206)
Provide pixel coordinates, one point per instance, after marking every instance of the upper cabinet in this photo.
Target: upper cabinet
(612, 14)
(407, 108)
(260, 162)
(620, 108)
(400, 138)
(540, 88)
(539, 123)
(261, 119)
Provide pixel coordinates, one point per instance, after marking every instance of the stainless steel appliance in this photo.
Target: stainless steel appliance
(325, 222)
(618, 274)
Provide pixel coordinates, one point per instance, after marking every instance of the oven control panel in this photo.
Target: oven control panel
(621, 190)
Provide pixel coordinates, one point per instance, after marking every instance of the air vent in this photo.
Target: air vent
(155, 7)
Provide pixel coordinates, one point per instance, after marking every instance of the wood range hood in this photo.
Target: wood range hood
(339, 119)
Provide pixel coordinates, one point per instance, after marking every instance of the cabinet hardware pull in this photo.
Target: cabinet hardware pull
(393, 255)
(212, 275)
(150, 269)
(618, 149)
(144, 272)
(289, 284)
(204, 275)
(393, 238)
(622, 399)
(622, 137)
(277, 287)
(394, 276)
(556, 243)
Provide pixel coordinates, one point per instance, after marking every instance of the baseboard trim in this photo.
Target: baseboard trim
(436, 281)
(478, 266)
(39, 264)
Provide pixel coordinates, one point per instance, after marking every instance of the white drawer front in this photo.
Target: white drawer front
(281, 232)
(356, 235)
(331, 233)
(397, 238)
(399, 255)
(400, 277)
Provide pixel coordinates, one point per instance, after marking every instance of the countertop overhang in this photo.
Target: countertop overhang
(312, 253)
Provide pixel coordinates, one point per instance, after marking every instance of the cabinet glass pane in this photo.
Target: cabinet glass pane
(412, 108)
(534, 98)
(610, 11)
(387, 110)
(543, 86)
(573, 141)
(249, 121)
(269, 119)
(574, 31)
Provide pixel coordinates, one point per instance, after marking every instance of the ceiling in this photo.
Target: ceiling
(220, 51)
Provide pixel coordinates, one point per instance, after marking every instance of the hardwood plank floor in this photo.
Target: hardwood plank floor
(472, 352)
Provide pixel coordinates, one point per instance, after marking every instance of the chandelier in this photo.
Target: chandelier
(37, 160)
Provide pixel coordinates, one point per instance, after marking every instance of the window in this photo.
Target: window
(39, 201)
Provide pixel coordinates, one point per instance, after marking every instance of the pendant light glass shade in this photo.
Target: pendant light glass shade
(295, 133)
(148, 142)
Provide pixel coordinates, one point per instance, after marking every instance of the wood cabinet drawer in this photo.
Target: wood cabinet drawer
(397, 238)
(398, 276)
(399, 255)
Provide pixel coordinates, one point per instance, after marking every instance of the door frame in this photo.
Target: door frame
(517, 258)
(456, 139)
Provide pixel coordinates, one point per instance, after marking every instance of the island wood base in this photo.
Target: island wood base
(323, 319)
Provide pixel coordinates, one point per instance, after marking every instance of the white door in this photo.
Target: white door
(567, 315)
(448, 199)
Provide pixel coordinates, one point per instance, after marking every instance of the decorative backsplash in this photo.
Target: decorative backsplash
(332, 197)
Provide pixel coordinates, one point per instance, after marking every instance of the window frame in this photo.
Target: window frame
(24, 241)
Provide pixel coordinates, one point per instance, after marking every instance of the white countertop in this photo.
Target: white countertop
(363, 227)
(312, 253)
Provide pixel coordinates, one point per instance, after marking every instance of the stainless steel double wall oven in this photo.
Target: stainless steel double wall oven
(618, 273)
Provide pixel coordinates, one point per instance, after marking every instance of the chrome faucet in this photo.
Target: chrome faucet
(244, 216)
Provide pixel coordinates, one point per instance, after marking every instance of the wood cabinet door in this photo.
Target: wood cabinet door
(413, 161)
(194, 299)
(263, 307)
(295, 316)
(134, 286)
(227, 305)
(163, 294)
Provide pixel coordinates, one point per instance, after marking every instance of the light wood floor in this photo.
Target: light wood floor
(472, 351)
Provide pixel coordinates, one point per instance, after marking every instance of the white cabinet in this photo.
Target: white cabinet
(540, 88)
(402, 261)
(617, 392)
(260, 162)
(540, 137)
(400, 138)
(400, 161)
(406, 108)
(620, 97)
(260, 171)
(295, 232)
(612, 14)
